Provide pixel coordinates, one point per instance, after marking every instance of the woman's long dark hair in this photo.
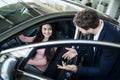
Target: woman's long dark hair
(49, 52)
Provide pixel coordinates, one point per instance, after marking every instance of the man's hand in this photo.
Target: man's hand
(71, 53)
(72, 68)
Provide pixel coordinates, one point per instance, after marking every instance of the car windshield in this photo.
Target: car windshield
(16, 11)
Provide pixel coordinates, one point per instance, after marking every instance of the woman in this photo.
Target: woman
(43, 56)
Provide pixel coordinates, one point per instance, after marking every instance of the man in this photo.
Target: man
(103, 64)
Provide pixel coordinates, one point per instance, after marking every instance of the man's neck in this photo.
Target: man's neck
(95, 31)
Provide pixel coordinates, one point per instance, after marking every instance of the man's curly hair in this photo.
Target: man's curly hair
(86, 19)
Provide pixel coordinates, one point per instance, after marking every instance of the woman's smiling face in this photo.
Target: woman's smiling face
(47, 30)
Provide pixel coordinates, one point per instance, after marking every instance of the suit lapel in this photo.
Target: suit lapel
(101, 37)
(102, 34)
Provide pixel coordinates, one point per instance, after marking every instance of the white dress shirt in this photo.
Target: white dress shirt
(98, 34)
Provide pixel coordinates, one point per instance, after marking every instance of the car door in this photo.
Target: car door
(64, 27)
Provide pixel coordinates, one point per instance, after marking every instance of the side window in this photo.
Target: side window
(15, 41)
(41, 56)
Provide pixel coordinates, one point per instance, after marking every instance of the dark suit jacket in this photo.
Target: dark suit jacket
(106, 63)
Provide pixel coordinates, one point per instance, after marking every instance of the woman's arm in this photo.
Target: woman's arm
(26, 39)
